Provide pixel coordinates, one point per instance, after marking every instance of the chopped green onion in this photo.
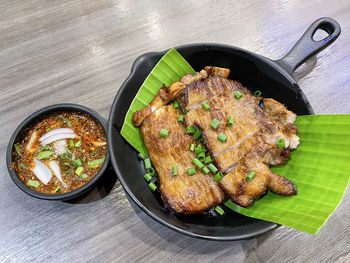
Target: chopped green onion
(201, 156)
(73, 156)
(230, 121)
(174, 170)
(215, 124)
(185, 111)
(84, 158)
(77, 144)
(201, 139)
(191, 171)
(192, 147)
(77, 162)
(151, 171)
(70, 171)
(191, 129)
(208, 159)
(205, 170)
(44, 155)
(63, 119)
(205, 106)
(280, 143)
(176, 104)
(71, 143)
(96, 162)
(238, 95)
(69, 123)
(152, 186)
(17, 148)
(47, 147)
(58, 188)
(219, 210)
(33, 183)
(222, 137)
(64, 156)
(257, 93)
(22, 165)
(68, 151)
(147, 177)
(197, 134)
(197, 163)
(218, 177)
(79, 170)
(213, 168)
(84, 176)
(48, 129)
(93, 154)
(147, 162)
(164, 133)
(200, 149)
(142, 156)
(180, 118)
(250, 176)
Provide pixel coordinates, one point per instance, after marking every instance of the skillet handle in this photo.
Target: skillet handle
(307, 47)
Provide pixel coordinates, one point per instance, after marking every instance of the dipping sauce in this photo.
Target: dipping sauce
(60, 153)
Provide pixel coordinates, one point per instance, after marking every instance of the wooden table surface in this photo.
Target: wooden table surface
(80, 52)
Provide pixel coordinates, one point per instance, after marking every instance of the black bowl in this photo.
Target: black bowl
(27, 123)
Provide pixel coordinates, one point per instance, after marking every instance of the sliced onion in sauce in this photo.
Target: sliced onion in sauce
(41, 171)
(99, 143)
(55, 131)
(31, 140)
(57, 171)
(62, 134)
(57, 137)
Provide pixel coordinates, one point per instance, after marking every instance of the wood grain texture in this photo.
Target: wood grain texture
(80, 52)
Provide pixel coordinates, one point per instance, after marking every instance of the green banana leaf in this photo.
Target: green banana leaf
(320, 167)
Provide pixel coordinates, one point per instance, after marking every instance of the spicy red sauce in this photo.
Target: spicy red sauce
(79, 158)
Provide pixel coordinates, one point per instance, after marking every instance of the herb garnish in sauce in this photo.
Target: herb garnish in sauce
(61, 152)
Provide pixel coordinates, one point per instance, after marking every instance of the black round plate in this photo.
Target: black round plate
(254, 72)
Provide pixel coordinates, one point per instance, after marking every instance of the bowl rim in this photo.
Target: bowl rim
(27, 122)
(138, 61)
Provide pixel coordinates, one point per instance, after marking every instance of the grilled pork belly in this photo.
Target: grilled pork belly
(182, 193)
(164, 95)
(243, 192)
(251, 144)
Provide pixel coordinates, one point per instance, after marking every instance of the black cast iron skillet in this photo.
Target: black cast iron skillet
(255, 72)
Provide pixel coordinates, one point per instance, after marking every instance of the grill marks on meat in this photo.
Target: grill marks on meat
(241, 136)
(164, 95)
(278, 112)
(244, 193)
(182, 193)
(199, 92)
(216, 71)
(251, 141)
(206, 90)
(283, 119)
